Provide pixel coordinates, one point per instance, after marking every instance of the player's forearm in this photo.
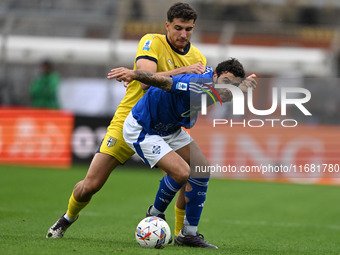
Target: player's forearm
(167, 73)
(174, 72)
(153, 79)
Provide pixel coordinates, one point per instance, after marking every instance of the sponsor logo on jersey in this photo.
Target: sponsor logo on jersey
(111, 141)
(147, 45)
(182, 86)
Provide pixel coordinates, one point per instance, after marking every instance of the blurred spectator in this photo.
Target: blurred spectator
(238, 13)
(308, 16)
(289, 12)
(44, 88)
(136, 10)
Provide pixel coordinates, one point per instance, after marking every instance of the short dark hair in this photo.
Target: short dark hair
(181, 11)
(232, 66)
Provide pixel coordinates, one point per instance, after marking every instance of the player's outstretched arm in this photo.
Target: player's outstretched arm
(148, 65)
(149, 78)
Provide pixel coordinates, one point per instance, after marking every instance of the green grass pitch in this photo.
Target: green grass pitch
(240, 217)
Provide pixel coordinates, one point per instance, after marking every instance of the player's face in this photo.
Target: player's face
(179, 32)
(226, 78)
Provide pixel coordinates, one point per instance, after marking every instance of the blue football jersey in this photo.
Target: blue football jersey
(163, 113)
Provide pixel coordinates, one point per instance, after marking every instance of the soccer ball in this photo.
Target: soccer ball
(153, 232)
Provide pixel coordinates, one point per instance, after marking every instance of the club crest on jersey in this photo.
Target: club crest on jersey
(111, 141)
(147, 45)
(182, 86)
(156, 149)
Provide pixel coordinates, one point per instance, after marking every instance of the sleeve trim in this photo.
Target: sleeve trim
(148, 57)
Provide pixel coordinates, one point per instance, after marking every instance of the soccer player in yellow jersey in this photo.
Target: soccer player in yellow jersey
(170, 54)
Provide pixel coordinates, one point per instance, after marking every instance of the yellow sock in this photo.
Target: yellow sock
(179, 219)
(74, 207)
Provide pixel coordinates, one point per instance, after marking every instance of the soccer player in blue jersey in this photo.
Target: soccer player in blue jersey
(153, 130)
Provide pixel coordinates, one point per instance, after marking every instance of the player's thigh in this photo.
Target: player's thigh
(175, 166)
(194, 156)
(100, 170)
(187, 148)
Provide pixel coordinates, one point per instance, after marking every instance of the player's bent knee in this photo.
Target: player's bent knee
(90, 188)
(180, 176)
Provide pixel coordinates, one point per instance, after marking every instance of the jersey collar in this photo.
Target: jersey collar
(186, 49)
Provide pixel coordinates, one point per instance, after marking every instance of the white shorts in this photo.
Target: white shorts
(151, 148)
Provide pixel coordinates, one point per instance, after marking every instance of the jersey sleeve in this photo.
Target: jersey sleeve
(180, 84)
(149, 47)
(192, 85)
(182, 87)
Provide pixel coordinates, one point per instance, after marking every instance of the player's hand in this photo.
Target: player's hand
(197, 68)
(121, 74)
(248, 82)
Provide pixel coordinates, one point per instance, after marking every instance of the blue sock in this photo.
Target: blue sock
(194, 206)
(166, 192)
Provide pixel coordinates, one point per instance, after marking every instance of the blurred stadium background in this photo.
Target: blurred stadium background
(285, 42)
